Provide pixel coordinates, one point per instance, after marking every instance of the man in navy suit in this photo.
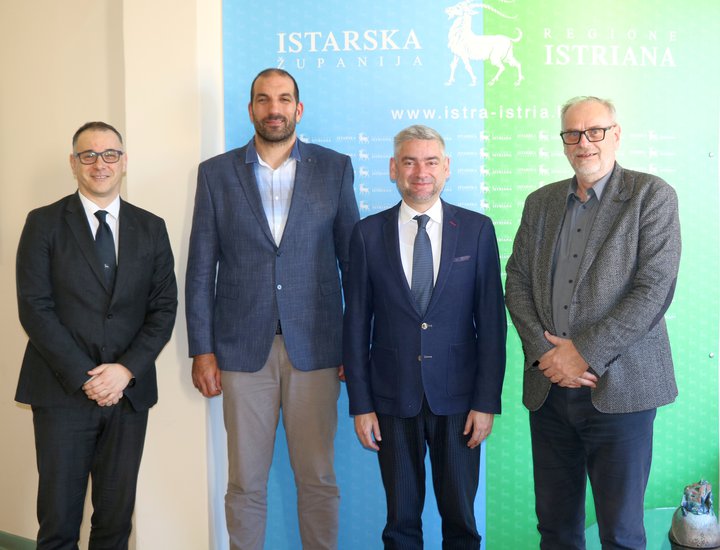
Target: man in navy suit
(424, 343)
(95, 324)
(272, 222)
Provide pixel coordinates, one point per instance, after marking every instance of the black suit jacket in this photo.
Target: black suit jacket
(73, 321)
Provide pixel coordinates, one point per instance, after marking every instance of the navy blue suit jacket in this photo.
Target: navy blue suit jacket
(240, 282)
(454, 354)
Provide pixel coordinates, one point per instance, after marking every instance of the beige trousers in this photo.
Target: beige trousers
(252, 403)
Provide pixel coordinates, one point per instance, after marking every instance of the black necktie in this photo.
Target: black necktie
(105, 246)
(422, 271)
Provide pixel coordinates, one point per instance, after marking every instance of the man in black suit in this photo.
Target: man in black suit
(97, 297)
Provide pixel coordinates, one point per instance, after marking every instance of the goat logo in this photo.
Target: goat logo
(466, 45)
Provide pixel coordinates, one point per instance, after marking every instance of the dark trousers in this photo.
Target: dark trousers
(571, 441)
(73, 443)
(455, 474)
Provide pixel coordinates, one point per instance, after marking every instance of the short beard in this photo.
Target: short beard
(421, 198)
(279, 136)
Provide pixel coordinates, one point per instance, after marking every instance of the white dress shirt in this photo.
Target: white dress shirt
(407, 229)
(112, 219)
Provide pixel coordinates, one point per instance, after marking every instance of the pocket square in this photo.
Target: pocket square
(461, 259)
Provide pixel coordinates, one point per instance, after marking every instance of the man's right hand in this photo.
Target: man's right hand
(367, 429)
(206, 375)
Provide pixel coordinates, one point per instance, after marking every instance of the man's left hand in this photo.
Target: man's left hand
(478, 425)
(563, 365)
(107, 383)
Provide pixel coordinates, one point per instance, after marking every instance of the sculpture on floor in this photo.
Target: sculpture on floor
(694, 524)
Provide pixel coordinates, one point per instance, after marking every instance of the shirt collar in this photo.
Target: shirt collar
(252, 157)
(407, 214)
(90, 207)
(596, 190)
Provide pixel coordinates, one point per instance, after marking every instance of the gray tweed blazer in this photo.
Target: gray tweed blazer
(625, 284)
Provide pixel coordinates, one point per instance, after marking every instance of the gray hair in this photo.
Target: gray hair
(608, 104)
(418, 131)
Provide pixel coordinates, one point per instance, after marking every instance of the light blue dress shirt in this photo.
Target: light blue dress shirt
(276, 187)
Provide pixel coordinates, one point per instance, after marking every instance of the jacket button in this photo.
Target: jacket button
(424, 326)
(419, 357)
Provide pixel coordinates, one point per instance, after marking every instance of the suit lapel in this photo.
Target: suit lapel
(550, 234)
(304, 170)
(391, 240)
(128, 246)
(77, 220)
(450, 231)
(248, 183)
(616, 193)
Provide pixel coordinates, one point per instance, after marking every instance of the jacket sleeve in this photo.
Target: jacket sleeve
(203, 257)
(346, 218)
(357, 327)
(160, 309)
(36, 306)
(490, 324)
(519, 295)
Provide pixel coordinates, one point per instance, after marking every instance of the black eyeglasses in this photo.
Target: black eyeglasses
(572, 137)
(111, 156)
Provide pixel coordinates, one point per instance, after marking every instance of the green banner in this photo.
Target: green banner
(658, 63)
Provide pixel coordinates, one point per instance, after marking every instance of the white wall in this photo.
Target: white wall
(138, 65)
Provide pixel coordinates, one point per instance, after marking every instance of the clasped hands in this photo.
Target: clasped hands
(107, 383)
(563, 365)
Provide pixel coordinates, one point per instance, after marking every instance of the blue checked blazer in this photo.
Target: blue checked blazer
(239, 283)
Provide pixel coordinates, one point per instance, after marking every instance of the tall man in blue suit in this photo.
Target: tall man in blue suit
(272, 222)
(592, 272)
(97, 297)
(424, 344)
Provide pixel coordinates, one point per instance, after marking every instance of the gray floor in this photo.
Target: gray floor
(11, 542)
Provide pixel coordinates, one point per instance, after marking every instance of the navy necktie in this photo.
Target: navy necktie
(422, 271)
(105, 247)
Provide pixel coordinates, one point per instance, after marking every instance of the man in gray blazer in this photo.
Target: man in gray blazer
(592, 272)
(272, 222)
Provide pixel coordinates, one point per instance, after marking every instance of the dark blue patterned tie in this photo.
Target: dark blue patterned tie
(105, 246)
(422, 271)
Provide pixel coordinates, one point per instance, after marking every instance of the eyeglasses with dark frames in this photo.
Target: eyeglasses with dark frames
(572, 137)
(111, 156)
